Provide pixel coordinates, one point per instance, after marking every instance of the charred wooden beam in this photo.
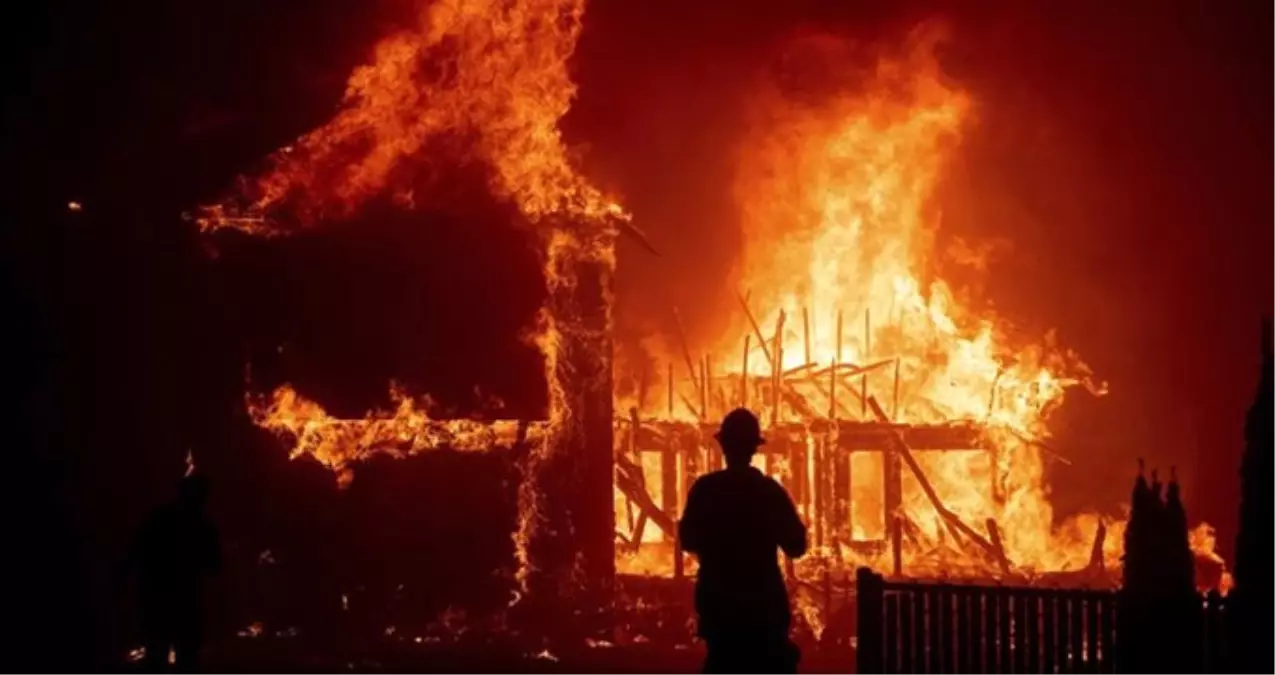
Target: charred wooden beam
(953, 522)
(998, 546)
(752, 321)
(625, 482)
(668, 475)
(776, 366)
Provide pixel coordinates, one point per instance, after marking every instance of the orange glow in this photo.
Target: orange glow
(484, 81)
(481, 81)
(406, 430)
(836, 198)
(839, 224)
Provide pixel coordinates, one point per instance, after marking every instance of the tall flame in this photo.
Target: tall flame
(836, 196)
(487, 80)
(836, 210)
(837, 213)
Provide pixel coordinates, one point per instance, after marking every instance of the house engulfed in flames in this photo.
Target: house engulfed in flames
(911, 431)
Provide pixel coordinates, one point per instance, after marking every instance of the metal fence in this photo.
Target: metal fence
(923, 627)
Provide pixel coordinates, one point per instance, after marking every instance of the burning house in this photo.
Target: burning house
(910, 427)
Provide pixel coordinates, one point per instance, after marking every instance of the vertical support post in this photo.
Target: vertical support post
(893, 477)
(805, 331)
(670, 390)
(743, 375)
(867, 356)
(777, 371)
(704, 391)
(692, 462)
(840, 523)
(568, 478)
(819, 486)
(843, 475)
(812, 491)
(686, 353)
(668, 477)
(896, 544)
(894, 413)
(832, 375)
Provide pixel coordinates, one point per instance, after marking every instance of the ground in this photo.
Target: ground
(299, 655)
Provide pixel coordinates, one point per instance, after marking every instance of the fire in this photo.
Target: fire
(836, 197)
(836, 200)
(483, 82)
(488, 76)
(406, 430)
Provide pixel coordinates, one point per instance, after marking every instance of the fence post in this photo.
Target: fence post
(870, 652)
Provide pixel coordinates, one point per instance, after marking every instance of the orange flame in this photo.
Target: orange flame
(490, 74)
(839, 224)
(490, 77)
(407, 430)
(835, 199)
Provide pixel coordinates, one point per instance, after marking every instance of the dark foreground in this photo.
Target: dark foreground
(298, 654)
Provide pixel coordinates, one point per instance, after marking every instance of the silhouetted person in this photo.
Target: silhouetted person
(177, 549)
(736, 521)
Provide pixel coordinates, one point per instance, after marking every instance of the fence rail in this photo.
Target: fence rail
(922, 627)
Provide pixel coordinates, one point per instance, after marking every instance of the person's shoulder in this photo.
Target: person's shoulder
(772, 485)
(711, 481)
(710, 478)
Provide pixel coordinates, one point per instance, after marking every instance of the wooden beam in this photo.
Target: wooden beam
(686, 349)
(896, 544)
(805, 331)
(631, 489)
(953, 522)
(867, 351)
(998, 546)
(777, 369)
(895, 409)
(704, 390)
(670, 390)
(752, 321)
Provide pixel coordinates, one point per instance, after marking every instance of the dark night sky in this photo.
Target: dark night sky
(1125, 152)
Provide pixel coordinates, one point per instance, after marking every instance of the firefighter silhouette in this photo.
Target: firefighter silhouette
(736, 520)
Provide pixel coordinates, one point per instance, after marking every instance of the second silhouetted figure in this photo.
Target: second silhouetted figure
(177, 549)
(736, 521)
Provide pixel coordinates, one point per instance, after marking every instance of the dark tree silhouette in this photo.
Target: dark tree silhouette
(1179, 561)
(1138, 557)
(1138, 584)
(1159, 608)
(1251, 600)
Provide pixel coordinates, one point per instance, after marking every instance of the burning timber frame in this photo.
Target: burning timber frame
(812, 450)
